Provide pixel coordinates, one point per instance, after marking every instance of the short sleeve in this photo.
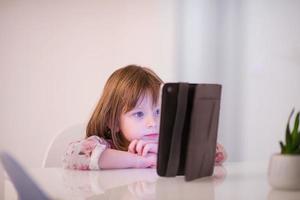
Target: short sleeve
(84, 154)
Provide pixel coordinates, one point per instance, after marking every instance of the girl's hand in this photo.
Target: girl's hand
(221, 155)
(143, 147)
(148, 161)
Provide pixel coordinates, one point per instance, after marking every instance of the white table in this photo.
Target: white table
(232, 181)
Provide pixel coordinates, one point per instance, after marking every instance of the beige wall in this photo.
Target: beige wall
(55, 57)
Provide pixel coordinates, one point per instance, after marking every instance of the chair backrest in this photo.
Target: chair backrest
(59, 144)
(26, 187)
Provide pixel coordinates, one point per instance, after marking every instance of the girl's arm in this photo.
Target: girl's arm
(115, 159)
(94, 153)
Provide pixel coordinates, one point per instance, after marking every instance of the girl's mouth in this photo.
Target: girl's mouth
(151, 136)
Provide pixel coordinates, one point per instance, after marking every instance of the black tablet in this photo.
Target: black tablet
(188, 129)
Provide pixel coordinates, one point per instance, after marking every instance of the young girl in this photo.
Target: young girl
(123, 129)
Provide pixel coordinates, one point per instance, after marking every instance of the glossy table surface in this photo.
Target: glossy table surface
(231, 181)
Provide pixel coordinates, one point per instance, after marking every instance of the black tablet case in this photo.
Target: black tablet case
(188, 129)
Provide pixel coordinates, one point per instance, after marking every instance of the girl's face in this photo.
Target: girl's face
(142, 122)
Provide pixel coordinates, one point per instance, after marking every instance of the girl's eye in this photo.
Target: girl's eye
(138, 114)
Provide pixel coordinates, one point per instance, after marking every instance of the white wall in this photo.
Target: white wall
(251, 47)
(197, 40)
(55, 57)
(271, 74)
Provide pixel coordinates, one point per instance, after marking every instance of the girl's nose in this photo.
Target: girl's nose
(151, 122)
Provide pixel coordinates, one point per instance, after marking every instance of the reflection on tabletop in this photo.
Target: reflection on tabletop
(136, 184)
(117, 184)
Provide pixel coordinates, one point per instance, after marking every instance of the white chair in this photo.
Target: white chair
(59, 144)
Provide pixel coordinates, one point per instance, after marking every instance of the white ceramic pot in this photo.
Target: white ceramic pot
(284, 172)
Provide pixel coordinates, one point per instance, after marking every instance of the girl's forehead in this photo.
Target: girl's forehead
(145, 100)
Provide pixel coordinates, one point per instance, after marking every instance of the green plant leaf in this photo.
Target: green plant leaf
(296, 141)
(291, 114)
(296, 124)
(282, 147)
(297, 151)
(292, 138)
(288, 138)
(295, 137)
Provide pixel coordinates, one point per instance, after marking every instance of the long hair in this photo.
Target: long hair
(120, 94)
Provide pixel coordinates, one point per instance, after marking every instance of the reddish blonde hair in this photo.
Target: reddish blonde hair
(120, 95)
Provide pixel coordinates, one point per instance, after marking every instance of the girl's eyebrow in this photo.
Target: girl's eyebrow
(140, 107)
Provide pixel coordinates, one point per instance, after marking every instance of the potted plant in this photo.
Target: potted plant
(284, 167)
